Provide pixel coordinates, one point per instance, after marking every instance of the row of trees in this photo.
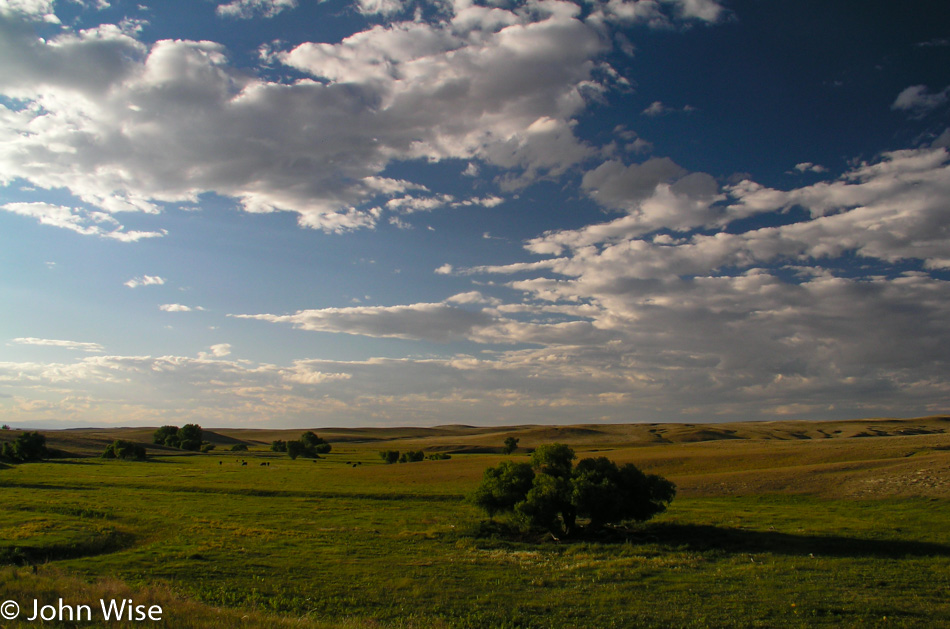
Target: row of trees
(28, 446)
(411, 456)
(309, 446)
(551, 493)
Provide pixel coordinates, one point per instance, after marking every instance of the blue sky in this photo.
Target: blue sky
(284, 213)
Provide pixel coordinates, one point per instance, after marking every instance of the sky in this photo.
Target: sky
(290, 213)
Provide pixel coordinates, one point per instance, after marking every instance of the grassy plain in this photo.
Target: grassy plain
(787, 524)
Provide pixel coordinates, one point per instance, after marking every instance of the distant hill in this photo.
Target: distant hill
(92, 441)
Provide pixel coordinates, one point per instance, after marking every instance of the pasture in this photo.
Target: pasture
(789, 524)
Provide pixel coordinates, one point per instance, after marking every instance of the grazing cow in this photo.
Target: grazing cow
(244, 463)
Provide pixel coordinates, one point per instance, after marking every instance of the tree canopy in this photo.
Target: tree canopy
(188, 437)
(308, 446)
(28, 446)
(551, 492)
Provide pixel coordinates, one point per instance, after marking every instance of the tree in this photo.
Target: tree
(554, 459)
(551, 493)
(28, 446)
(295, 449)
(511, 444)
(309, 445)
(239, 447)
(166, 436)
(606, 493)
(189, 437)
(412, 456)
(503, 487)
(5, 427)
(389, 456)
(120, 449)
(278, 446)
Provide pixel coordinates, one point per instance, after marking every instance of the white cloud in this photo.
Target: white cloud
(445, 269)
(178, 308)
(220, 350)
(72, 345)
(145, 280)
(127, 126)
(245, 9)
(87, 223)
(808, 167)
(919, 101)
(430, 321)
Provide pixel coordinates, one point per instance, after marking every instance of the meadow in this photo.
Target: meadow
(790, 524)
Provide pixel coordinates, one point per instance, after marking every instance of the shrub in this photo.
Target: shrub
(389, 456)
(120, 449)
(551, 493)
(278, 446)
(207, 447)
(412, 456)
(439, 456)
(239, 447)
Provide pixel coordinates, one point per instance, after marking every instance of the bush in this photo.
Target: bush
(439, 456)
(412, 456)
(389, 456)
(278, 446)
(551, 493)
(309, 445)
(29, 446)
(207, 447)
(239, 447)
(120, 449)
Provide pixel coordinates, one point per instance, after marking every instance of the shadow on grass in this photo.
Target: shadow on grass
(706, 537)
(101, 543)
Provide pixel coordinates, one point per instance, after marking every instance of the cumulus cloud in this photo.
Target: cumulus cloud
(745, 319)
(130, 126)
(127, 126)
(145, 280)
(808, 167)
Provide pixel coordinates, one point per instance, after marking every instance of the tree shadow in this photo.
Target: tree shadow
(706, 538)
(702, 537)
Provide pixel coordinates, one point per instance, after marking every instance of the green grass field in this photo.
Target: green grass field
(767, 531)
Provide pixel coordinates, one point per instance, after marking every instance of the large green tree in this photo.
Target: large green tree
(551, 493)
